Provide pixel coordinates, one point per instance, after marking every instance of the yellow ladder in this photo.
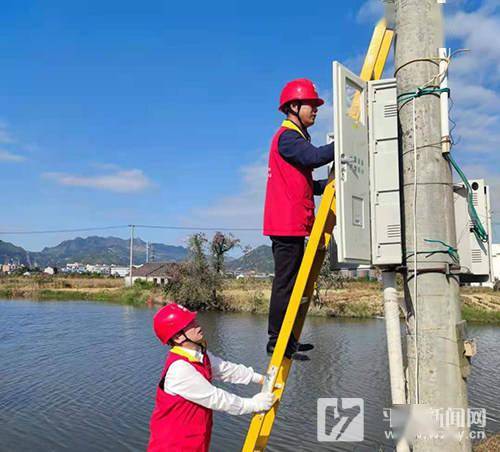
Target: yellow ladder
(317, 246)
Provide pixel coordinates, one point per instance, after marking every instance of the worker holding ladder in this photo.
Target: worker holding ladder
(289, 205)
(185, 397)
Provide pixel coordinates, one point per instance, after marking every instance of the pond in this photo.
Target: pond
(81, 376)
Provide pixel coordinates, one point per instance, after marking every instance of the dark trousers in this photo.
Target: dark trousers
(287, 253)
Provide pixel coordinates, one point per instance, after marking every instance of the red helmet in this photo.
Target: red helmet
(299, 89)
(170, 320)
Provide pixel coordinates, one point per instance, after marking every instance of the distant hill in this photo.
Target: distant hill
(259, 259)
(92, 250)
(106, 250)
(10, 252)
(114, 250)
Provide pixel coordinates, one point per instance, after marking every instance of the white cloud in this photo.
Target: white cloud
(124, 181)
(370, 11)
(5, 135)
(243, 209)
(7, 156)
(106, 166)
(475, 84)
(11, 145)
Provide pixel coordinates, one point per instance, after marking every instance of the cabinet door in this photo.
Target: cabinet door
(352, 233)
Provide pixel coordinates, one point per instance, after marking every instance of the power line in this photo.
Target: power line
(194, 228)
(55, 231)
(124, 226)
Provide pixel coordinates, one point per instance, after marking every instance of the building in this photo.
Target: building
(9, 268)
(156, 272)
(100, 269)
(50, 270)
(116, 270)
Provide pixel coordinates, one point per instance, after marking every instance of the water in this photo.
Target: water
(81, 376)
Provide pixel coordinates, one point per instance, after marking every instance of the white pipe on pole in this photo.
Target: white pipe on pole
(393, 331)
(443, 83)
(394, 349)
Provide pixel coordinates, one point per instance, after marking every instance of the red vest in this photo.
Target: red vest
(289, 208)
(178, 425)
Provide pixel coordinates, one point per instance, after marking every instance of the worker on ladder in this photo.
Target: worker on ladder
(185, 396)
(289, 204)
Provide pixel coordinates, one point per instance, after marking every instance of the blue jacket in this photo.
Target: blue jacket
(300, 152)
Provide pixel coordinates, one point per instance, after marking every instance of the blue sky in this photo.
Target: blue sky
(161, 112)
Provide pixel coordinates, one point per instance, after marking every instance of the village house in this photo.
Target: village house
(118, 270)
(9, 268)
(157, 272)
(50, 270)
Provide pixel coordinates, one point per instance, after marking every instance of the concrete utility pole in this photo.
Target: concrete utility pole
(147, 252)
(132, 227)
(434, 360)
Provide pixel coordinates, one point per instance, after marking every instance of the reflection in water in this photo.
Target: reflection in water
(81, 376)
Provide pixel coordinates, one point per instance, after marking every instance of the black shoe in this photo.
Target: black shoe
(303, 347)
(298, 357)
(270, 348)
(290, 353)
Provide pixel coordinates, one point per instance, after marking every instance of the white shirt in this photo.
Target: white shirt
(184, 380)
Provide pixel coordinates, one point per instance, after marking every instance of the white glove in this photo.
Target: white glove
(263, 401)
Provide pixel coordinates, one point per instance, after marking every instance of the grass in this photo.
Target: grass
(136, 296)
(357, 299)
(44, 288)
(490, 444)
(478, 315)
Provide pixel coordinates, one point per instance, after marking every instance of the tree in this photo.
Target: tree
(220, 245)
(201, 279)
(196, 248)
(327, 280)
(197, 283)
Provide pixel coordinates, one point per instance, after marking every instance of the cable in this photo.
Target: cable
(477, 226)
(436, 61)
(450, 250)
(416, 60)
(144, 226)
(415, 292)
(407, 97)
(191, 228)
(55, 231)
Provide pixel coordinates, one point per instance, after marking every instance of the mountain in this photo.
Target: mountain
(105, 250)
(10, 252)
(259, 259)
(92, 250)
(114, 250)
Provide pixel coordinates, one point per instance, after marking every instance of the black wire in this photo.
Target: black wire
(144, 226)
(194, 228)
(55, 231)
